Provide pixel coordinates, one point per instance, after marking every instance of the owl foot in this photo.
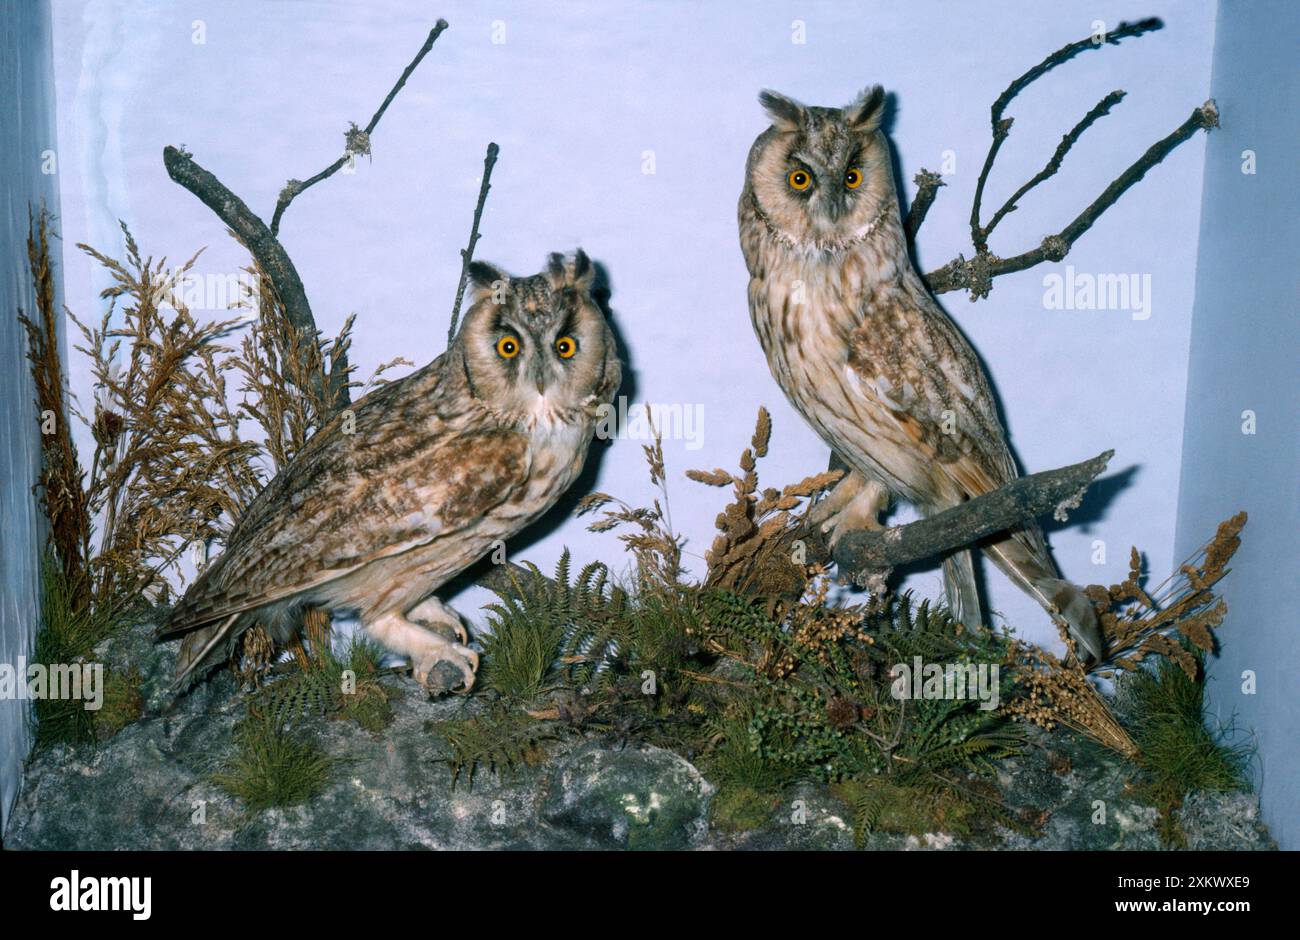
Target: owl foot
(840, 496)
(445, 667)
(862, 512)
(436, 615)
(439, 663)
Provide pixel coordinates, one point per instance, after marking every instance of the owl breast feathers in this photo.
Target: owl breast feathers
(420, 478)
(863, 351)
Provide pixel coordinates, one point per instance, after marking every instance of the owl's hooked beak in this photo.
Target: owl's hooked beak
(837, 205)
(537, 372)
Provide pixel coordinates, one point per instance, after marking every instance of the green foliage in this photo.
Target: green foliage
(909, 765)
(577, 632)
(326, 685)
(1164, 710)
(69, 633)
(499, 740)
(272, 766)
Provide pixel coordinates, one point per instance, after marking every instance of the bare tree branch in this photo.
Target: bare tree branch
(262, 245)
(976, 274)
(927, 187)
(358, 139)
(467, 253)
(263, 242)
(1101, 109)
(869, 556)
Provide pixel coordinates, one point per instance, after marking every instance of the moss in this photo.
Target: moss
(741, 808)
(1164, 710)
(271, 766)
(123, 702)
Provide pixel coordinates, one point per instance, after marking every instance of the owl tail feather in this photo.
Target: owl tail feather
(1033, 571)
(201, 649)
(960, 590)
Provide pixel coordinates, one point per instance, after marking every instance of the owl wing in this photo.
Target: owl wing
(394, 474)
(913, 359)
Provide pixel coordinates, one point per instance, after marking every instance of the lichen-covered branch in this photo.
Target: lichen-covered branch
(357, 138)
(467, 253)
(976, 274)
(927, 187)
(262, 245)
(869, 556)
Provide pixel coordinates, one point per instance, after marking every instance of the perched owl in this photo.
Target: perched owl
(418, 479)
(865, 354)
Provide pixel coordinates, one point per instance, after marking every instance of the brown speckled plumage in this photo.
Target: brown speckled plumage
(419, 479)
(864, 352)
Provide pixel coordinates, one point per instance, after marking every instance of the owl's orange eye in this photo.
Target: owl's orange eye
(508, 347)
(799, 180)
(566, 346)
(853, 178)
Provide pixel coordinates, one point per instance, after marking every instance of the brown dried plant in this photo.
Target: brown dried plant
(290, 374)
(169, 463)
(656, 548)
(171, 467)
(759, 545)
(1055, 691)
(1137, 624)
(60, 483)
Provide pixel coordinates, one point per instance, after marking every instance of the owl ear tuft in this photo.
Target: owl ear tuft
(786, 113)
(867, 109)
(485, 278)
(577, 272)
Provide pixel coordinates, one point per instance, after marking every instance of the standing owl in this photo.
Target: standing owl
(865, 354)
(419, 479)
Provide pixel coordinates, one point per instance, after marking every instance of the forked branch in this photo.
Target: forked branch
(263, 242)
(976, 274)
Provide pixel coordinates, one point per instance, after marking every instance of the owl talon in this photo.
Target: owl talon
(436, 670)
(437, 616)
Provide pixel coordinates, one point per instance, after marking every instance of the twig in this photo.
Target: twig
(263, 242)
(976, 274)
(871, 555)
(262, 245)
(1054, 164)
(927, 187)
(467, 253)
(358, 140)
(1001, 126)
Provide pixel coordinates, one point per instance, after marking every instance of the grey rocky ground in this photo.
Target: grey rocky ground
(149, 788)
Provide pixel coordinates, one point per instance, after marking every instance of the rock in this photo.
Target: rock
(150, 787)
(634, 797)
(1215, 821)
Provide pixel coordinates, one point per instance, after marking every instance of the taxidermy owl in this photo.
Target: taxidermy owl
(418, 479)
(866, 355)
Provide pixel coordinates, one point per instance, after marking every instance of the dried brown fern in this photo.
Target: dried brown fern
(1137, 624)
(758, 548)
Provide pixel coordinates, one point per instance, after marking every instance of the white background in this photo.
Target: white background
(575, 96)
